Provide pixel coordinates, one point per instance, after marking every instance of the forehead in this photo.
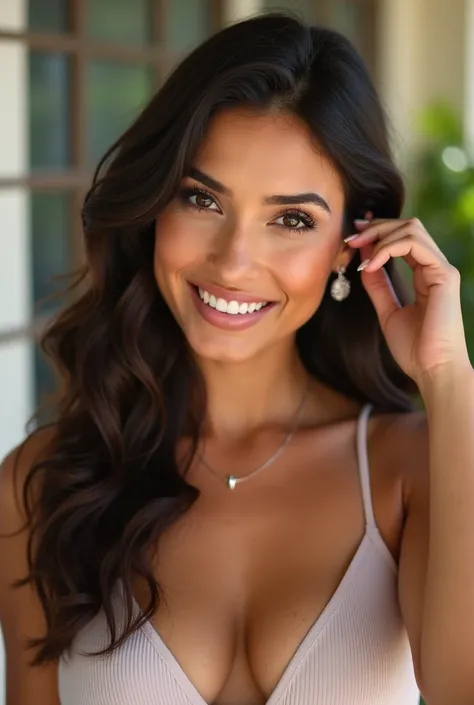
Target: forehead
(267, 154)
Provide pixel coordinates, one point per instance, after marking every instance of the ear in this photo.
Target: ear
(343, 257)
(345, 254)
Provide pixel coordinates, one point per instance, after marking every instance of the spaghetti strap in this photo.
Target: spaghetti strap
(363, 463)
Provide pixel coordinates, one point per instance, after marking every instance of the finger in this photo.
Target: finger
(363, 224)
(414, 253)
(381, 292)
(368, 231)
(390, 230)
(378, 229)
(404, 232)
(409, 258)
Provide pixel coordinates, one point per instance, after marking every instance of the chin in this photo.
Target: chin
(229, 351)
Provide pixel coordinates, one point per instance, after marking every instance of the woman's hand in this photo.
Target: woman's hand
(427, 336)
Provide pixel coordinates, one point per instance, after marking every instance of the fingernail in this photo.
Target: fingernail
(363, 265)
(351, 237)
(360, 221)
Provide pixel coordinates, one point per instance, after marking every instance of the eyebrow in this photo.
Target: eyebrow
(281, 200)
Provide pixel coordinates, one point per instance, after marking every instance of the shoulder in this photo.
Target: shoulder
(402, 443)
(17, 498)
(21, 616)
(14, 470)
(14, 490)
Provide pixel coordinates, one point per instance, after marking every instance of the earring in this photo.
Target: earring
(341, 286)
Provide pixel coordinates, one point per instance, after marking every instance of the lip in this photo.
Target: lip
(224, 320)
(221, 293)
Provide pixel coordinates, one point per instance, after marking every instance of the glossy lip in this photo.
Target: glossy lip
(221, 293)
(227, 321)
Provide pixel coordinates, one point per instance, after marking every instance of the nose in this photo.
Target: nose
(234, 254)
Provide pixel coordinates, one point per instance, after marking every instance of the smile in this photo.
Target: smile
(229, 315)
(232, 307)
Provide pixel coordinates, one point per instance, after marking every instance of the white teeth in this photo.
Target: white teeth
(230, 307)
(233, 307)
(204, 295)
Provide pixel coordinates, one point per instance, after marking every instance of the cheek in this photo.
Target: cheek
(306, 274)
(175, 246)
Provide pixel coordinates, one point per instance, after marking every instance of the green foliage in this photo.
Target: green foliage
(442, 196)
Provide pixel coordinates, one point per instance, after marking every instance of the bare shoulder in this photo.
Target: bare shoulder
(21, 615)
(404, 444)
(14, 469)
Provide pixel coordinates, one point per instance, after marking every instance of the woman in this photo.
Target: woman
(236, 501)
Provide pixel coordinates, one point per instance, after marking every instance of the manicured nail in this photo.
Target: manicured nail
(363, 265)
(351, 237)
(360, 222)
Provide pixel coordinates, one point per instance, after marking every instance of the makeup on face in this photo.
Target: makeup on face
(249, 240)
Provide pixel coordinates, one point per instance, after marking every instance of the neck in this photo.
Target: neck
(251, 395)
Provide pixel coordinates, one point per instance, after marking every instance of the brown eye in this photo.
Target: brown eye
(296, 221)
(291, 221)
(203, 201)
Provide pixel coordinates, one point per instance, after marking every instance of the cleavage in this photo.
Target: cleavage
(246, 581)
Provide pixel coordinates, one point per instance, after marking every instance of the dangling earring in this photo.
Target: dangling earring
(341, 286)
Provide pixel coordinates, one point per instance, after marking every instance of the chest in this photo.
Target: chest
(249, 575)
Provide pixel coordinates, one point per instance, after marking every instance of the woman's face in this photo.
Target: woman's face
(258, 220)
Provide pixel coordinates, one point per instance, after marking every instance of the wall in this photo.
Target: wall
(422, 55)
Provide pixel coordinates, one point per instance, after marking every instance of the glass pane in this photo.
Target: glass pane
(45, 384)
(49, 111)
(115, 93)
(50, 246)
(187, 23)
(305, 9)
(48, 15)
(126, 21)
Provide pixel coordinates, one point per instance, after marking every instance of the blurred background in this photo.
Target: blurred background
(74, 73)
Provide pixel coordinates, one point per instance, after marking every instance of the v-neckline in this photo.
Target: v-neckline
(298, 656)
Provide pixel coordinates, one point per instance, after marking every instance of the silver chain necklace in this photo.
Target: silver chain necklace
(231, 481)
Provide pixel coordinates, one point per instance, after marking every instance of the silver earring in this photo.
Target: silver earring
(341, 286)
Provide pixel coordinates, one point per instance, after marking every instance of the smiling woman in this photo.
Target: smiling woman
(209, 337)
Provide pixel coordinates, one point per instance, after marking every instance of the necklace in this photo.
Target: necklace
(231, 481)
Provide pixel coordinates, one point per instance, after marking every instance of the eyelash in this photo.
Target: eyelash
(187, 192)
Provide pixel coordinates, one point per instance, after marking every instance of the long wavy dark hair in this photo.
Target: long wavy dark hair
(110, 484)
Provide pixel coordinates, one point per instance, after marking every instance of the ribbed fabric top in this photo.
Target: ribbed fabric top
(356, 653)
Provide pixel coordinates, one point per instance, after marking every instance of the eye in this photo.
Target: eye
(203, 198)
(293, 217)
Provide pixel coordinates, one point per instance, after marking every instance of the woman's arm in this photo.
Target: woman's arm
(436, 576)
(20, 611)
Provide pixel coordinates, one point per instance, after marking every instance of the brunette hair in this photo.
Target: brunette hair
(110, 484)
